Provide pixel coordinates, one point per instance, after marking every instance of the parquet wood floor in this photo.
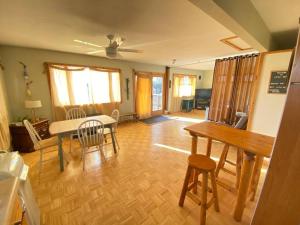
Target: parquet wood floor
(140, 185)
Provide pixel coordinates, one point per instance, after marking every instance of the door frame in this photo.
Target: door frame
(151, 75)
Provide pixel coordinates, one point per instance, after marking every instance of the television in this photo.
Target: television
(203, 93)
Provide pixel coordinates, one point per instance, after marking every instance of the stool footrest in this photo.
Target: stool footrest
(228, 171)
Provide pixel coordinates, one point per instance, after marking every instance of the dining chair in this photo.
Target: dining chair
(115, 115)
(40, 144)
(71, 114)
(90, 134)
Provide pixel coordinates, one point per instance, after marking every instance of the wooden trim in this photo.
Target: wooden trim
(184, 75)
(148, 73)
(227, 42)
(109, 69)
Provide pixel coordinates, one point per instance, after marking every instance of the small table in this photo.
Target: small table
(66, 127)
(187, 105)
(252, 143)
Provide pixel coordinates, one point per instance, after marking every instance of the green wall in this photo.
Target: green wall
(35, 58)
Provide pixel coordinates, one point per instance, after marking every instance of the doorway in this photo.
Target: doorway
(149, 94)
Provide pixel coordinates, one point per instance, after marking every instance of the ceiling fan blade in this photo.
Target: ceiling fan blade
(87, 43)
(129, 50)
(94, 52)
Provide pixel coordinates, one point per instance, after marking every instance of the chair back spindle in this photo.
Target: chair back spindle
(75, 113)
(90, 133)
(35, 137)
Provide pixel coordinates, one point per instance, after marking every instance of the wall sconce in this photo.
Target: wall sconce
(26, 78)
(127, 88)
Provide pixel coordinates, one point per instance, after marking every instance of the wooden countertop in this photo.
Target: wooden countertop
(8, 193)
(257, 144)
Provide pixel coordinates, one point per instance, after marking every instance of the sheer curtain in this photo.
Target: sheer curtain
(184, 86)
(143, 96)
(95, 90)
(4, 129)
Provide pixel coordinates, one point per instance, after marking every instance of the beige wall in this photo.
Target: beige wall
(268, 107)
(207, 80)
(34, 59)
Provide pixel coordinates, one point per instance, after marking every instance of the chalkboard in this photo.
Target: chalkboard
(278, 82)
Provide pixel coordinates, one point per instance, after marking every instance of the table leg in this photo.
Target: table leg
(113, 138)
(60, 153)
(255, 177)
(247, 170)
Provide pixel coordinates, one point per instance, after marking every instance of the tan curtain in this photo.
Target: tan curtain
(4, 128)
(232, 87)
(184, 86)
(96, 91)
(143, 96)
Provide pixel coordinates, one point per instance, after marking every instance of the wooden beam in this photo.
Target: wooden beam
(280, 198)
(242, 18)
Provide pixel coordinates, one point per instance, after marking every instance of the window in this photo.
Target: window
(184, 86)
(84, 85)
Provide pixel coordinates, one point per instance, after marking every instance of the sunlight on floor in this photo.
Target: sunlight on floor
(180, 150)
(185, 119)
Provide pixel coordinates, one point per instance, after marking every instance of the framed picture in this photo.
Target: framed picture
(279, 81)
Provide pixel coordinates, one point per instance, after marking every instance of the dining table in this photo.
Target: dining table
(255, 147)
(66, 127)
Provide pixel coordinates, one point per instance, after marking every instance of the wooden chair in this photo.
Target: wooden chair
(241, 124)
(71, 114)
(41, 144)
(200, 164)
(90, 134)
(116, 115)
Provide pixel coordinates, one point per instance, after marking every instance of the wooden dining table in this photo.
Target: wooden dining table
(255, 146)
(67, 127)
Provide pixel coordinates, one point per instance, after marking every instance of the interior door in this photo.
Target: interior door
(157, 94)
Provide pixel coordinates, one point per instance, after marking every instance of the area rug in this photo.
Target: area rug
(155, 119)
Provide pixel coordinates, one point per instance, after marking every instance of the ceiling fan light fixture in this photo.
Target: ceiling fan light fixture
(111, 52)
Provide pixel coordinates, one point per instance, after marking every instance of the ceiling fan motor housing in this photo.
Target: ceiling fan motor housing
(111, 52)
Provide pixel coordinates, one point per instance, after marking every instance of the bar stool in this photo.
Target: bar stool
(241, 124)
(200, 164)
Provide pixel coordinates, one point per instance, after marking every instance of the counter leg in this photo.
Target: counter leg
(247, 170)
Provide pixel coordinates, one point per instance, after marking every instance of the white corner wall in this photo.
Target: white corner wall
(268, 107)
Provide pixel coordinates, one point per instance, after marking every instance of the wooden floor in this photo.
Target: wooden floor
(140, 185)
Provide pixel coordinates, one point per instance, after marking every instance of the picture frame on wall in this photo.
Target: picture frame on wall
(279, 81)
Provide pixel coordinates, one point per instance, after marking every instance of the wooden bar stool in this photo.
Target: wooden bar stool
(200, 164)
(241, 124)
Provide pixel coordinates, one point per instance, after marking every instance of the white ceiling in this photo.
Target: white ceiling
(163, 29)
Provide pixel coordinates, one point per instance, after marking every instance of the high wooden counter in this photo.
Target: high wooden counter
(253, 144)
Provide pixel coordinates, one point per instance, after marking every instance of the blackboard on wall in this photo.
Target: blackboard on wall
(278, 82)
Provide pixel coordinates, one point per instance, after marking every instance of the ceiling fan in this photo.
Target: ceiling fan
(113, 49)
